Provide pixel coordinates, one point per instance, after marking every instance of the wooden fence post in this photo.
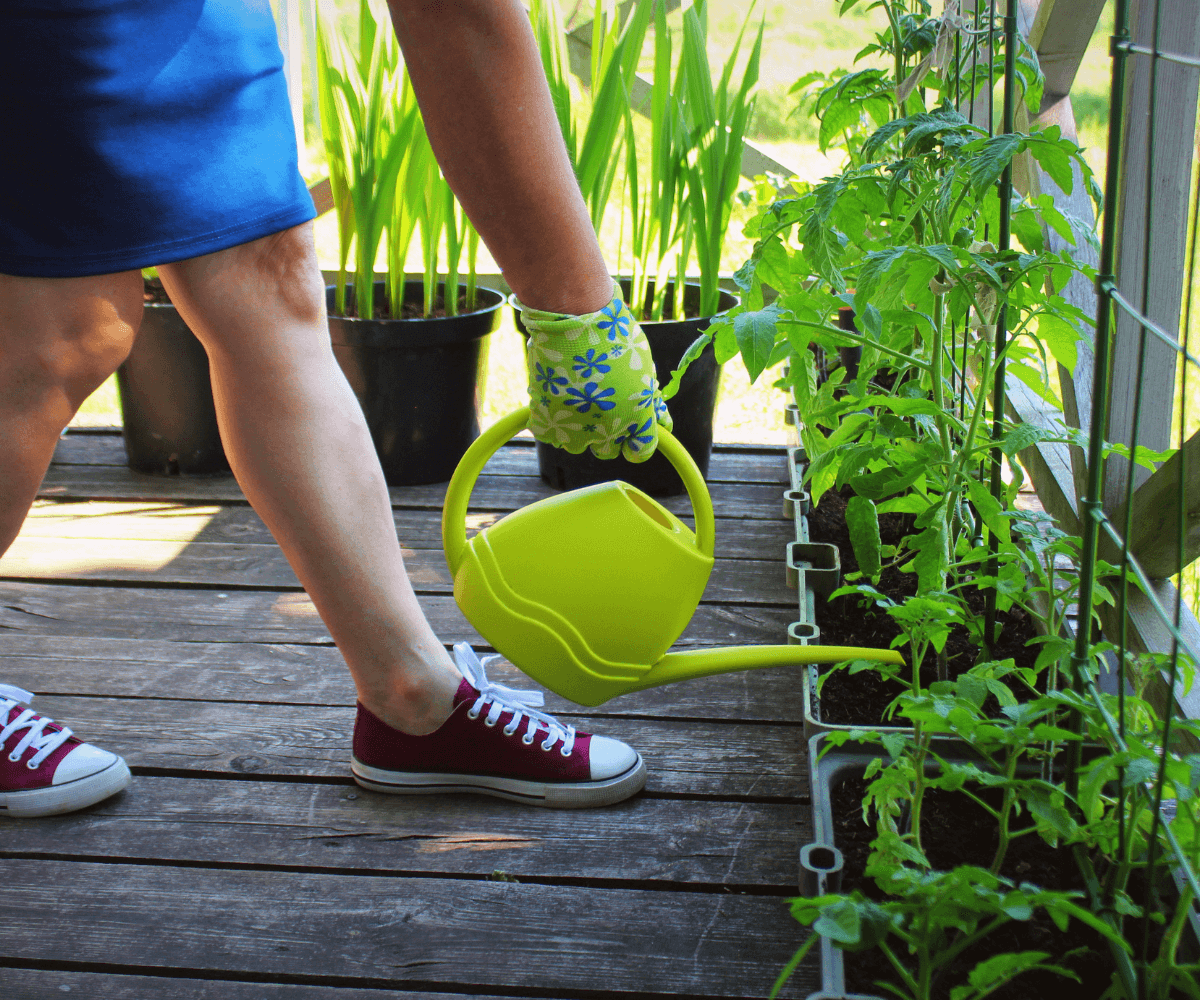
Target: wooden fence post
(1153, 205)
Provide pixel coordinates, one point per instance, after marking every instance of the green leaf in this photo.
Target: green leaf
(988, 158)
(932, 560)
(756, 332)
(695, 349)
(1060, 335)
(878, 485)
(1022, 436)
(862, 520)
(840, 922)
(992, 973)
(1027, 228)
(1055, 157)
(989, 508)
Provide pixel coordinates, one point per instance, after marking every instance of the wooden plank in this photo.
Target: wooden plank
(1148, 633)
(477, 934)
(1049, 464)
(417, 529)
(180, 615)
(1154, 540)
(334, 826)
(1076, 383)
(322, 196)
(1172, 145)
(316, 675)
(39, 984)
(492, 493)
(725, 761)
(1060, 34)
(225, 564)
(759, 464)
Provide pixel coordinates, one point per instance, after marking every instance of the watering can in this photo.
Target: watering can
(586, 591)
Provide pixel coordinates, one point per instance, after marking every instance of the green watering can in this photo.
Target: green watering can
(587, 590)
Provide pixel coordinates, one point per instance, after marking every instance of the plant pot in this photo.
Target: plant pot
(850, 357)
(170, 424)
(692, 409)
(419, 381)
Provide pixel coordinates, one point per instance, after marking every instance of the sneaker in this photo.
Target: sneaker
(43, 768)
(496, 742)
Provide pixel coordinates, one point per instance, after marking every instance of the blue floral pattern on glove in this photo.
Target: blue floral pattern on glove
(551, 382)
(598, 366)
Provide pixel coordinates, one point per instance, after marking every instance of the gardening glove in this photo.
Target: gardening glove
(592, 382)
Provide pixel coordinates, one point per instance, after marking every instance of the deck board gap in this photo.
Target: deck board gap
(621, 884)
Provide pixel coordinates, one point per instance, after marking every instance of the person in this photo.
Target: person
(144, 133)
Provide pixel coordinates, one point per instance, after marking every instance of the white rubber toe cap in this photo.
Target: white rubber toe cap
(610, 757)
(82, 762)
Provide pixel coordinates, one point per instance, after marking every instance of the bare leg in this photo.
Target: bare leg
(60, 338)
(478, 77)
(299, 446)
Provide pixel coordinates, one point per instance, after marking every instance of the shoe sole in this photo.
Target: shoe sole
(68, 797)
(548, 795)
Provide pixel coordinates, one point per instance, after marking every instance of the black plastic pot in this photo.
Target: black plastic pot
(692, 409)
(419, 381)
(170, 425)
(850, 357)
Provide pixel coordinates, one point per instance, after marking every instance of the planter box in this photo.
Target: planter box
(822, 863)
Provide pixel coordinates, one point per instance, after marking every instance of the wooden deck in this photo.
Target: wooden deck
(159, 620)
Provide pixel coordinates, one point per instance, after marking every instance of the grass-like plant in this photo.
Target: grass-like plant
(366, 134)
(716, 118)
(595, 138)
(659, 229)
(383, 174)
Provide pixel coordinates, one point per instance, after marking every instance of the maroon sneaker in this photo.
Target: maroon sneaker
(496, 742)
(43, 768)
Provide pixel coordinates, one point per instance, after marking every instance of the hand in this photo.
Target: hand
(592, 383)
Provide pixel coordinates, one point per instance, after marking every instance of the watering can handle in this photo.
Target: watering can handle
(458, 494)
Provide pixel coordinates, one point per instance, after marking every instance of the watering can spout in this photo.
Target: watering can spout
(690, 664)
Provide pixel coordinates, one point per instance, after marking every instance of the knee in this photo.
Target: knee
(286, 263)
(74, 338)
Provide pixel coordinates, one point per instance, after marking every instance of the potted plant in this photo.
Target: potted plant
(414, 354)
(679, 191)
(168, 419)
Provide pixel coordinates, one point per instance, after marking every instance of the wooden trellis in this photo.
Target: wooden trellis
(1059, 31)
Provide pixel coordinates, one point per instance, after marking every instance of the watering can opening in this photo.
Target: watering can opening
(652, 509)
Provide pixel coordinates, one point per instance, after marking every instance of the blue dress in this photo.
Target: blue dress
(141, 132)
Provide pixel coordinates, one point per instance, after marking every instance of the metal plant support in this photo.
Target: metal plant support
(1096, 524)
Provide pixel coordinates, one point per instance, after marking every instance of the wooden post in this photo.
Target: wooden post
(309, 20)
(1154, 540)
(292, 44)
(1164, 201)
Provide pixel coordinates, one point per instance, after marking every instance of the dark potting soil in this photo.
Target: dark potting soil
(955, 831)
(415, 310)
(861, 699)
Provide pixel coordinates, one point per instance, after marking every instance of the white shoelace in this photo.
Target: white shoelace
(44, 743)
(523, 704)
